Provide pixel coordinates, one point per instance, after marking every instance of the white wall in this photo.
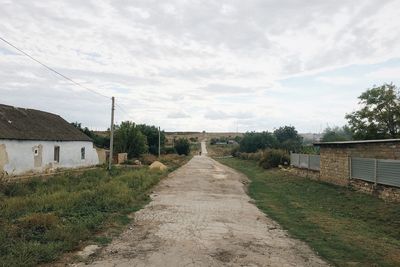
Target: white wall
(20, 155)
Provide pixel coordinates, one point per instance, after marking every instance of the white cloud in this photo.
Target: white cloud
(208, 58)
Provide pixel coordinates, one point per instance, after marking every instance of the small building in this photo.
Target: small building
(36, 141)
(335, 157)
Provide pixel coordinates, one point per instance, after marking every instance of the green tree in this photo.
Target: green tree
(379, 116)
(337, 134)
(252, 141)
(288, 138)
(129, 139)
(151, 133)
(101, 141)
(182, 146)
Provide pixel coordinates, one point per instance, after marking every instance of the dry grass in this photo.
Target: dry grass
(41, 219)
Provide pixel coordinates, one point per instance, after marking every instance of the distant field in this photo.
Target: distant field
(199, 135)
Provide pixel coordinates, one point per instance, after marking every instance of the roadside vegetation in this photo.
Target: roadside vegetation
(345, 227)
(41, 219)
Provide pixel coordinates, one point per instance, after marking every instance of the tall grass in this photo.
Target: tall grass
(39, 220)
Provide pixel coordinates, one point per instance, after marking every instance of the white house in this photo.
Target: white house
(37, 141)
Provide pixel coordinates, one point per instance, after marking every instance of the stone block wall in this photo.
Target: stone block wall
(335, 158)
(384, 192)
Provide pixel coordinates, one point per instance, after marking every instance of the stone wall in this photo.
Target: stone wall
(384, 192)
(335, 158)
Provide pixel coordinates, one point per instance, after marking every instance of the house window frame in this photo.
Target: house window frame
(83, 153)
(57, 150)
(36, 151)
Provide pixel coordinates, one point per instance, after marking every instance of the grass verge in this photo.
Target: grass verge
(345, 227)
(40, 220)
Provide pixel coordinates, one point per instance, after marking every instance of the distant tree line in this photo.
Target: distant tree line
(286, 138)
(136, 139)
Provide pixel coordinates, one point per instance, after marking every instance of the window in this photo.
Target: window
(82, 153)
(36, 151)
(57, 154)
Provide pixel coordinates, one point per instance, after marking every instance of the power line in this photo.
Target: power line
(52, 70)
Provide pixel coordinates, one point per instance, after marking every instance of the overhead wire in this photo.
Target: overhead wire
(51, 69)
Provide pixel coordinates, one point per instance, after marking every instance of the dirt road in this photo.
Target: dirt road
(201, 216)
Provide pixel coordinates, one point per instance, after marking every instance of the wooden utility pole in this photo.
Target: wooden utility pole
(111, 133)
(159, 141)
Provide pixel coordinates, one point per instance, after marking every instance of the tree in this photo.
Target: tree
(129, 139)
(288, 138)
(182, 146)
(101, 141)
(151, 133)
(337, 134)
(379, 116)
(252, 141)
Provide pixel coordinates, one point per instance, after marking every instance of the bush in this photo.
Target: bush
(272, 158)
(169, 150)
(250, 156)
(182, 146)
(252, 141)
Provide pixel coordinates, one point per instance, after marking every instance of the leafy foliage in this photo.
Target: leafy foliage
(379, 116)
(129, 139)
(98, 140)
(337, 134)
(272, 158)
(252, 141)
(151, 133)
(288, 138)
(285, 137)
(182, 146)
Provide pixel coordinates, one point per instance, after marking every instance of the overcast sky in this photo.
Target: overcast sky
(199, 65)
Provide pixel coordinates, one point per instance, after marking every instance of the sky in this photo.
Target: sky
(191, 65)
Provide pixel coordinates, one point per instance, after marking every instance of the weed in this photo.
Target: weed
(42, 219)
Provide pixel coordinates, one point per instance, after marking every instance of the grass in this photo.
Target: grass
(40, 220)
(220, 150)
(347, 228)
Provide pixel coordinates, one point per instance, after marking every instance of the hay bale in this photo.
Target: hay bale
(158, 165)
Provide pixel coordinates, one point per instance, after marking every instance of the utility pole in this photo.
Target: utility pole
(111, 133)
(159, 141)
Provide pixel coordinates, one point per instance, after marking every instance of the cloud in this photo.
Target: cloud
(178, 115)
(216, 60)
(221, 115)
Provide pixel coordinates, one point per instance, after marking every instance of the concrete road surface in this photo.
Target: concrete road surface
(203, 148)
(201, 216)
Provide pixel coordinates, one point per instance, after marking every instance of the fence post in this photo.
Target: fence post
(375, 172)
(350, 169)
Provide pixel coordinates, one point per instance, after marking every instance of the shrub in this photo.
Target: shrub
(272, 158)
(169, 150)
(252, 141)
(182, 146)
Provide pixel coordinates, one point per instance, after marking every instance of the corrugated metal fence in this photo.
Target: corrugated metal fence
(380, 171)
(305, 161)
